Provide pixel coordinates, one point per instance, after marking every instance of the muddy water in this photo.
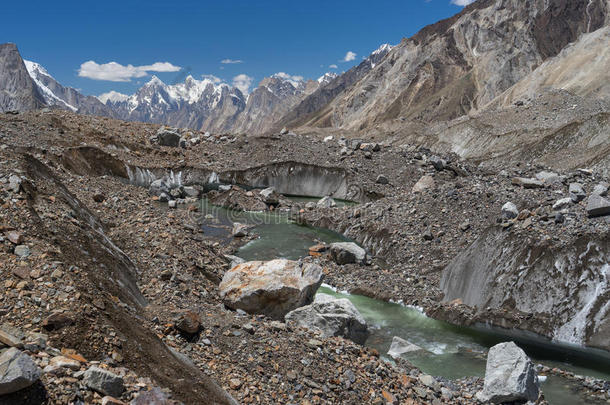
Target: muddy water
(451, 351)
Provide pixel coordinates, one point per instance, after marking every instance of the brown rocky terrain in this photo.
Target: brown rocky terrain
(106, 272)
(99, 273)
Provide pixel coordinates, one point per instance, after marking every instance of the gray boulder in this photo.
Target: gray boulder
(381, 179)
(22, 250)
(601, 189)
(103, 381)
(561, 204)
(438, 163)
(346, 253)
(509, 376)
(549, 177)
(158, 187)
(526, 182)
(326, 202)
(509, 210)
(240, 230)
(273, 288)
(269, 196)
(165, 137)
(17, 371)
(191, 191)
(401, 346)
(424, 183)
(598, 206)
(577, 193)
(14, 183)
(331, 317)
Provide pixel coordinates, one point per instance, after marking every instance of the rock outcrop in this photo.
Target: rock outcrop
(331, 317)
(273, 288)
(17, 89)
(509, 376)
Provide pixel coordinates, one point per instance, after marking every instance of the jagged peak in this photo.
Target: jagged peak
(294, 80)
(155, 81)
(327, 77)
(35, 68)
(113, 97)
(382, 48)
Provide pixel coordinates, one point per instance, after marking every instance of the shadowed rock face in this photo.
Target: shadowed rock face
(570, 282)
(295, 179)
(17, 89)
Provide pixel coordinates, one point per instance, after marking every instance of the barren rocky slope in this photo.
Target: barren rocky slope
(462, 63)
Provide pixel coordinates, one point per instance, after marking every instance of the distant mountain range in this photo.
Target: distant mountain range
(490, 54)
(199, 104)
(217, 107)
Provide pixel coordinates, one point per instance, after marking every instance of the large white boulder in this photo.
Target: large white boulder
(331, 317)
(273, 288)
(509, 376)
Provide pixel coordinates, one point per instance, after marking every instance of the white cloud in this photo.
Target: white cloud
(112, 96)
(212, 78)
(333, 66)
(231, 61)
(115, 72)
(462, 3)
(243, 83)
(349, 56)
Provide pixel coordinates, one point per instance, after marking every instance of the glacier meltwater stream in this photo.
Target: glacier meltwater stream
(450, 351)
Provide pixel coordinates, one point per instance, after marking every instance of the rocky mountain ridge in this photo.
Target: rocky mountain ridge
(55, 94)
(458, 65)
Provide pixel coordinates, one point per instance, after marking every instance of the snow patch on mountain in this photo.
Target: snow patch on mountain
(36, 72)
(327, 78)
(112, 96)
(294, 80)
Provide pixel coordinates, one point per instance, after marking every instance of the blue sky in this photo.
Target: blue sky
(301, 38)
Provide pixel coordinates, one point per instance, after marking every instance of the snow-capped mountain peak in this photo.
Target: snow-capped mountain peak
(112, 96)
(191, 89)
(327, 78)
(295, 81)
(383, 48)
(154, 81)
(41, 77)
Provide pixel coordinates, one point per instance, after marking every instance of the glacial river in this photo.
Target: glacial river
(450, 351)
